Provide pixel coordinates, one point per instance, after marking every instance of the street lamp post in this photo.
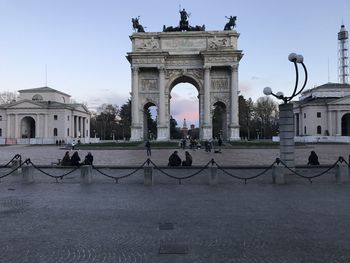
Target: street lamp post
(286, 116)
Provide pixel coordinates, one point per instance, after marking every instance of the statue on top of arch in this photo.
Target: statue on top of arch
(183, 24)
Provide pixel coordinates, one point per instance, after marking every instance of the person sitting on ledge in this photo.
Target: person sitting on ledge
(66, 159)
(313, 159)
(75, 159)
(88, 159)
(174, 159)
(188, 160)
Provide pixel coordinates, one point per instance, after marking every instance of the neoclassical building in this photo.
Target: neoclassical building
(323, 111)
(208, 60)
(43, 116)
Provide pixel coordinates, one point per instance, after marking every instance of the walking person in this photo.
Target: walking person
(148, 148)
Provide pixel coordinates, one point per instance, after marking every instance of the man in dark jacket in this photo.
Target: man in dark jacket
(174, 159)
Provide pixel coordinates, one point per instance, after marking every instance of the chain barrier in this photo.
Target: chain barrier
(340, 160)
(17, 156)
(245, 178)
(28, 161)
(149, 161)
(181, 178)
(117, 178)
(18, 167)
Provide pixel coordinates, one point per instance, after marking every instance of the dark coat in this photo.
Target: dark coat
(75, 160)
(174, 160)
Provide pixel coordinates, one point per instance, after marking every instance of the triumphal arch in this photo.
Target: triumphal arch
(208, 60)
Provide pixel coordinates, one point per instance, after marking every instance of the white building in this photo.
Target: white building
(43, 116)
(323, 112)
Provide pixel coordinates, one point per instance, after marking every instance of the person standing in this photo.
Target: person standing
(148, 148)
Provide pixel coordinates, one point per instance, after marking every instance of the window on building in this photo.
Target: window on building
(318, 114)
(37, 97)
(0, 132)
(68, 118)
(304, 115)
(319, 129)
(304, 130)
(55, 132)
(67, 131)
(55, 117)
(0, 117)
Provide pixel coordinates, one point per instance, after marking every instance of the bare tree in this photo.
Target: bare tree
(265, 111)
(8, 97)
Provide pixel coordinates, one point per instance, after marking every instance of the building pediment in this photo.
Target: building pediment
(24, 104)
(341, 101)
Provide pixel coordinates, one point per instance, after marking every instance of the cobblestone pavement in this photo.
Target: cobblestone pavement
(327, 154)
(107, 222)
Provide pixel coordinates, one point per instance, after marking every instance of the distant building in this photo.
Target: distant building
(43, 116)
(323, 111)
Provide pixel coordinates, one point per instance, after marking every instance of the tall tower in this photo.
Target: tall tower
(343, 62)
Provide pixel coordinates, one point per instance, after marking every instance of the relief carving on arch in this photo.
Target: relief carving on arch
(196, 74)
(218, 43)
(221, 97)
(219, 84)
(147, 44)
(149, 85)
(152, 98)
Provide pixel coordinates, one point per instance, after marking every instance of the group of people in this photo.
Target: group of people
(75, 159)
(175, 160)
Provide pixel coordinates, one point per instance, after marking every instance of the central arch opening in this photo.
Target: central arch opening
(28, 127)
(184, 110)
(345, 125)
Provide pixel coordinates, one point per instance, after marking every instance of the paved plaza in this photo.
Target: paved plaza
(65, 221)
(45, 155)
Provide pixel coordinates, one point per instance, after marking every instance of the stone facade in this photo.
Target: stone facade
(208, 60)
(323, 111)
(43, 116)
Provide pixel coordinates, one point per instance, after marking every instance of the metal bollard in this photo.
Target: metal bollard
(148, 176)
(341, 173)
(213, 175)
(278, 174)
(27, 174)
(86, 174)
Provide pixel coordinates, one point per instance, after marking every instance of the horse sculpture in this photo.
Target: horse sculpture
(231, 23)
(136, 25)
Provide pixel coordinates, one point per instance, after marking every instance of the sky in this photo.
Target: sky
(79, 46)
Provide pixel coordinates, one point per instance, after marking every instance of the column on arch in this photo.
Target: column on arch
(234, 122)
(206, 127)
(135, 121)
(162, 129)
(8, 132)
